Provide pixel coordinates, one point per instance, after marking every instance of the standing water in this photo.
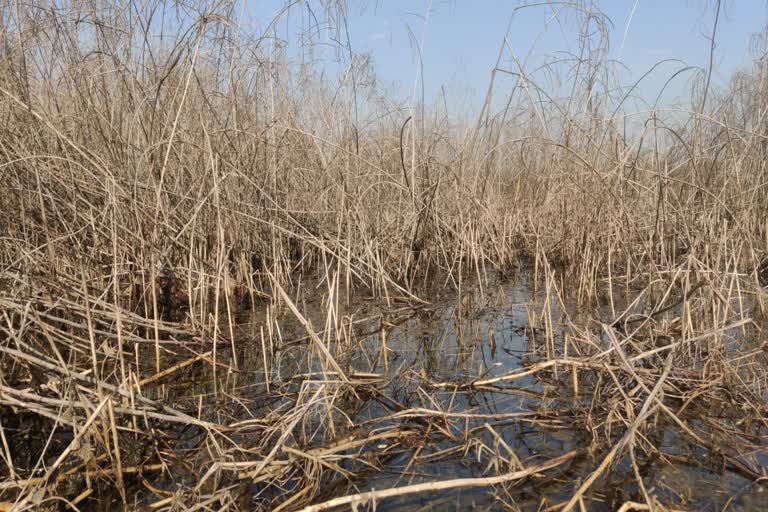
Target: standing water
(495, 397)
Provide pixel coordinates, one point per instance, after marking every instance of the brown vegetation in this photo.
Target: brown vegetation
(156, 190)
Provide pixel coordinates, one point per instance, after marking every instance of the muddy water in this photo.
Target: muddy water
(430, 349)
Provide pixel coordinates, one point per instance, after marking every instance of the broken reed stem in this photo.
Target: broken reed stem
(117, 455)
(645, 412)
(62, 477)
(430, 487)
(264, 357)
(73, 445)
(175, 368)
(327, 357)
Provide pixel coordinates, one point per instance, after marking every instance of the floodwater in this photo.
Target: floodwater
(431, 350)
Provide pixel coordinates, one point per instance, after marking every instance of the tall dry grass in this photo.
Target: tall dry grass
(163, 168)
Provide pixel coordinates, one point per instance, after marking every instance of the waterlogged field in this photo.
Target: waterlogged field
(492, 395)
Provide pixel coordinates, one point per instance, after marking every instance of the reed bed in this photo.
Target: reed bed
(210, 254)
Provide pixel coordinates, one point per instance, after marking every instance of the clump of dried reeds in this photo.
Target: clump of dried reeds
(163, 169)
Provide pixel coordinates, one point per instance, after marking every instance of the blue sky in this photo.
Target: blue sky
(462, 38)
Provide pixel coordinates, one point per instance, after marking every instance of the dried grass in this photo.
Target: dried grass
(155, 188)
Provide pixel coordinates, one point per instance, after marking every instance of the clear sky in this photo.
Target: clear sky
(461, 39)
